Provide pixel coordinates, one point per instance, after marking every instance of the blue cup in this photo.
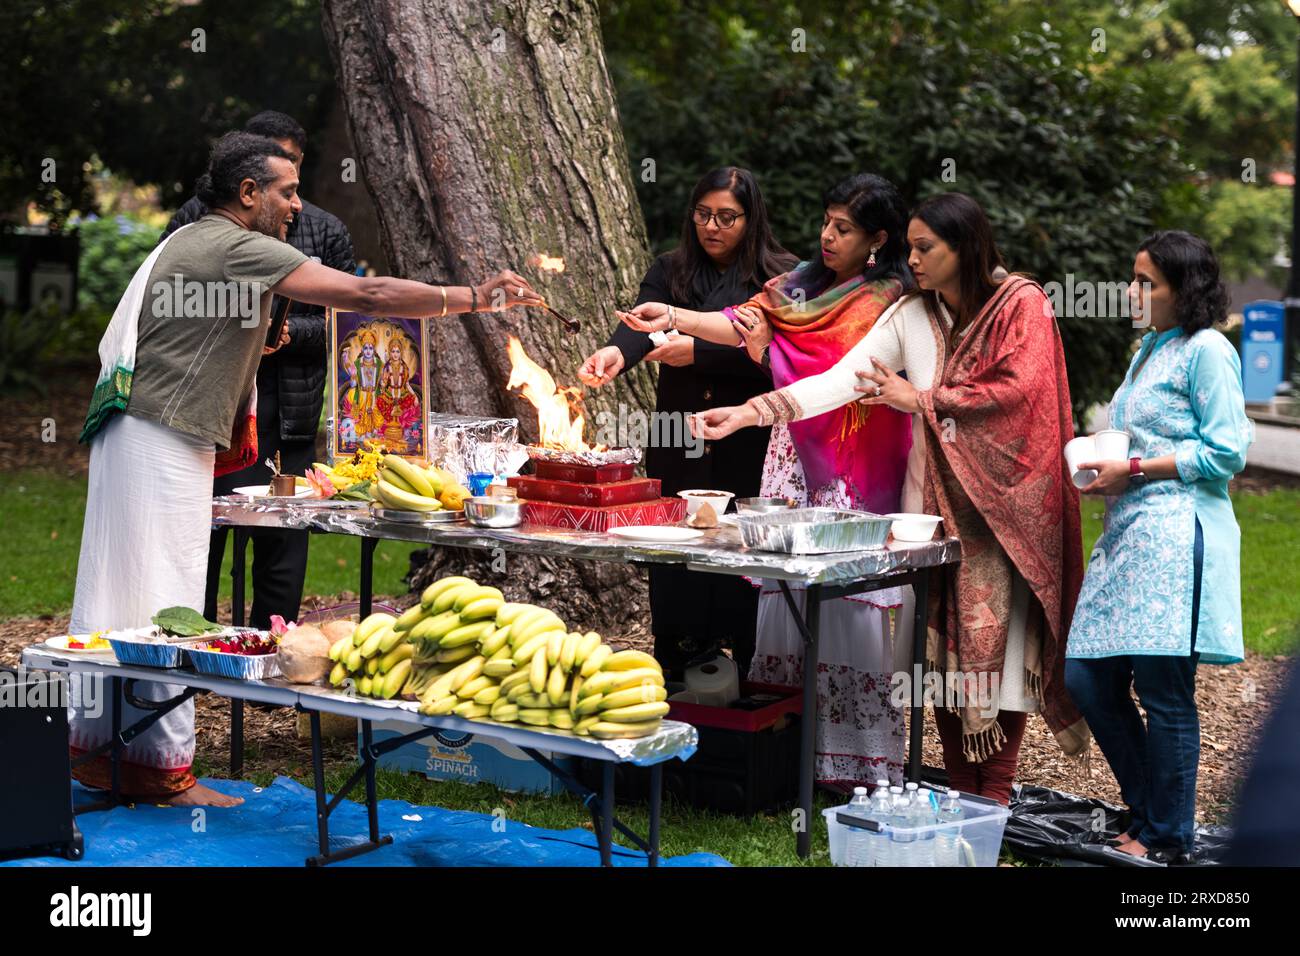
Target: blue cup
(478, 482)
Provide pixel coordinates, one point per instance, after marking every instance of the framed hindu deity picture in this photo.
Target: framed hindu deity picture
(379, 384)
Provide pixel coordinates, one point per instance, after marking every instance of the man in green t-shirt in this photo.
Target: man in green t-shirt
(183, 351)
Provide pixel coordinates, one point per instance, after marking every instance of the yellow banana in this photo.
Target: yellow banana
(597, 657)
(498, 640)
(504, 711)
(447, 599)
(341, 647)
(554, 645)
(508, 612)
(485, 601)
(589, 642)
(583, 727)
(517, 691)
(396, 680)
(393, 497)
(437, 587)
(371, 624)
(467, 690)
(466, 634)
(569, 651)
(629, 660)
(536, 716)
(588, 705)
(440, 706)
(455, 655)
(525, 652)
(537, 676)
(397, 481)
(413, 476)
(547, 621)
(355, 660)
(402, 652)
(467, 672)
(609, 681)
(533, 701)
(488, 695)
(364, 685)
(641, 694)
(499, 669)
(339, 674)
(372, 666)
(391, 638)
(635, 713)
(433, 628)
(410, 617)
(573, 693)
(555, 686)
(371, 647)
(562, 719)
(513, 680)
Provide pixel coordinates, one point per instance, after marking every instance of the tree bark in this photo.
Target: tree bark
(487, 132)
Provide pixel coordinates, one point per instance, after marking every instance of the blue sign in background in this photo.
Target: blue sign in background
(1263, 334)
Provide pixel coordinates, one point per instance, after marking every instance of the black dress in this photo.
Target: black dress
(691, 612)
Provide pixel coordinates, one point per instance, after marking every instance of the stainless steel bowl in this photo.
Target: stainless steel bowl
(488, 512)
(762, 506)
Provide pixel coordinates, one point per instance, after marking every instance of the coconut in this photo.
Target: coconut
(335, 631)
(304, 654)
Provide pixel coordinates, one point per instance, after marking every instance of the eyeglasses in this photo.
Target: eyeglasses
(724, 217)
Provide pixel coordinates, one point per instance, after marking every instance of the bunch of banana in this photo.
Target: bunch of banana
(405, 486)
(376, 657)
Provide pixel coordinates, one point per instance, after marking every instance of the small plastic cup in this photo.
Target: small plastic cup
(478, 482)
(1077, 451)
(1112, 445)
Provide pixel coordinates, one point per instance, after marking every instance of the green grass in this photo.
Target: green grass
(42, 534)
(760, 840)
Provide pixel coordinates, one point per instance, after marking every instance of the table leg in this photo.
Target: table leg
(115, 758)
(605, 832)
(921, 591)
(238, 560)
(372, 800)
(367, 574)
(236, 738)
(808, 720)
(318, 778)
(656, 804)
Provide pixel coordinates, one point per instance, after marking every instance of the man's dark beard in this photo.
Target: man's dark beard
(269, 222)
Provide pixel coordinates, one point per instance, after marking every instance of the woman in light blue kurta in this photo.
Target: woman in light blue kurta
(1143, 619)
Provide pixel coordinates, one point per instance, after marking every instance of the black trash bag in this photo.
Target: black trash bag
(1048, 826)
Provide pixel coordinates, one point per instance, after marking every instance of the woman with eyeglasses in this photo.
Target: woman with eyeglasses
(801, 324)
(726, 253)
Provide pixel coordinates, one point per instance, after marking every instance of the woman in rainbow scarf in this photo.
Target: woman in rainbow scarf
(800, 324)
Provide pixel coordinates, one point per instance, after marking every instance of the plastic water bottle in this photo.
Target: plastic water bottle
(901, 837)
(857, 848)
(923, 815)
(947, 842)
(881, 810)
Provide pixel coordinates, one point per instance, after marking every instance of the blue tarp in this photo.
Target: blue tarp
(276, 826)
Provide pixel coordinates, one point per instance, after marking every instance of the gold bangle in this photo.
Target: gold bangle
(443, 290)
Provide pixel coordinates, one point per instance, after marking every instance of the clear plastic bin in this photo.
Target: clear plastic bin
(981, 830)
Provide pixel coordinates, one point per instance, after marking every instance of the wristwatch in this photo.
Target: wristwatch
(1135, 476)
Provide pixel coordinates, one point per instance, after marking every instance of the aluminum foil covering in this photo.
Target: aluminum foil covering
(147, 647)
(466, 443)
(237, 666)
(813, 531)
(593, 458)
(719, 549)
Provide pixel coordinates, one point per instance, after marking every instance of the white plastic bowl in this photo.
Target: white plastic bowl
(696, 497)
(909, 527)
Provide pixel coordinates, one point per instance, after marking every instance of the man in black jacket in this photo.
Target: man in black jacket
(290, 393)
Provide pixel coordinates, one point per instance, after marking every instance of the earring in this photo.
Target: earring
(871, 260)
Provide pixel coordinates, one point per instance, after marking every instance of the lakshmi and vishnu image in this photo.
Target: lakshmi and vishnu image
(380, 388)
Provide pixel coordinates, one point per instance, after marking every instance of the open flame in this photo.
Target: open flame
(547, 263)
(560, 420)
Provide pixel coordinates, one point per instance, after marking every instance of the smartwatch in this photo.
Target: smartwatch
(1135, 476)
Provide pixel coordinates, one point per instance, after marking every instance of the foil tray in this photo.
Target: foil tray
(592, 458)
(445, 516)
(238, 666)
(150, 647)
(813, 531)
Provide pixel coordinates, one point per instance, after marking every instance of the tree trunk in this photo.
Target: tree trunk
(488, 132)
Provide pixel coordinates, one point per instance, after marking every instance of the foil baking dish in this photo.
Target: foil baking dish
(813, 531)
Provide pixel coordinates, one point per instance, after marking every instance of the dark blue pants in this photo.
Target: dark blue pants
(1155, 764)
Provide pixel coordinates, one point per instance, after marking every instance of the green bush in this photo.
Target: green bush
(111, 250)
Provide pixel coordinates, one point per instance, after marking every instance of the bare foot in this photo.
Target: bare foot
(201, 796)
(1133, 848)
